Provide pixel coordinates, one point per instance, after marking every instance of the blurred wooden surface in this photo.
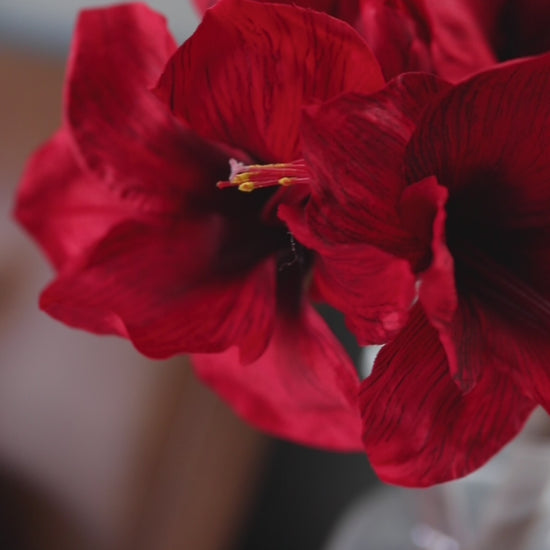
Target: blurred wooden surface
(124, 453)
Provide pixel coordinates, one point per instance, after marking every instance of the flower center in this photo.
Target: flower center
(249, 177)
(496, 262)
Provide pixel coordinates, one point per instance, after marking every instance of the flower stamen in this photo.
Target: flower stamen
(249, 177)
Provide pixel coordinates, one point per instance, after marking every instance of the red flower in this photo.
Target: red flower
(440, 36)
(454, 181)
(124, 201)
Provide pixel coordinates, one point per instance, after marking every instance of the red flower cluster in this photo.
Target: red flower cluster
(418, 208)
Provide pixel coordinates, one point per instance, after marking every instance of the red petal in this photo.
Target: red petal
(125, 135)
(354, 146)
(407, 35)
(303, 388)
(157, 286)
(488, 13)
(516, 28)
(64, 208)
(419, 429)
(491, 131)
(487, 142)
(423, 213)
(372, 288)
(399, 34)
(500, 319)
(532, 18)
(342, 9)
(503, 320)
(202, 5)
(507, 326)
(245, 74)
(460, 46)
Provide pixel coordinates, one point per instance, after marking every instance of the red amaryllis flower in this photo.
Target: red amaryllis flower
(456, 182)
(124, 201)
(440, 36)
(515, 28)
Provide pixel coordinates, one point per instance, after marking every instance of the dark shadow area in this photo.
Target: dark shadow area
(32, 520)
(304, 493)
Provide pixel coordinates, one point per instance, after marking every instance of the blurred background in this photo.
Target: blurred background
(100, 448)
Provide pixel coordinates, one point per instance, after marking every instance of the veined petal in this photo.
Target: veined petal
(245, 74)
(62, 206)
(156, 285)
(124, 134)
(492, 132)
(354, 146)
(419, 429)
(505, 321)
(373, 289)
(499, 319)
(522, 352)
(515, 344)
(303, 388)
(423, 213)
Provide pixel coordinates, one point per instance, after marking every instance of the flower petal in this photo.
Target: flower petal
(504, 322)
(532, 18)
(372, 288)
(399, 34)
(516, 28)
(444, 37)
(423, 213)
(125, 135)
(419, 429)
(354, 146)
(342, 9)
(63, 207)
(487, 13)
(303, 387)
(498, 319)
(493, 132)
(156, 285)
(245, 74)
(460, 46)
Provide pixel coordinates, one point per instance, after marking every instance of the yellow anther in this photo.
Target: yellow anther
(285, 181)
(241, 178)
(247, 186)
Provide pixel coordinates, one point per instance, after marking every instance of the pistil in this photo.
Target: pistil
(249, 177)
